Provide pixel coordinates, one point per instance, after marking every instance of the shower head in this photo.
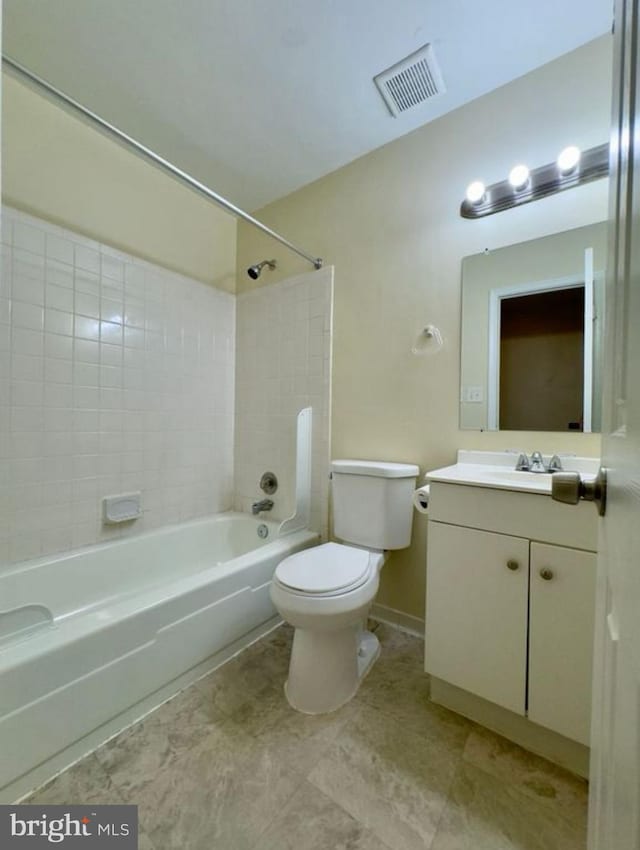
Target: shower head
(254, 271)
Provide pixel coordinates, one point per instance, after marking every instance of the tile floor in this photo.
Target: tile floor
(227, 764)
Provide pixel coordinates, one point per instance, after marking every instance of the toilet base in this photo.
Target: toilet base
(368, 652)
(326, 667)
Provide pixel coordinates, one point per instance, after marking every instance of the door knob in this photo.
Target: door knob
(513, 565)
(546, 573)
(568, 487)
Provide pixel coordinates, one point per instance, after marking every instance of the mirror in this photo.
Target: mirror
(532, 324)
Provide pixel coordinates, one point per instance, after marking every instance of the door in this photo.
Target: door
(476, 636)
(615, 770)
(561, 613)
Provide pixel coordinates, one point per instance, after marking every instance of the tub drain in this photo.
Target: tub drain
(263, 530)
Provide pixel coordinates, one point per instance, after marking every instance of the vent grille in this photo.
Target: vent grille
(411, 81)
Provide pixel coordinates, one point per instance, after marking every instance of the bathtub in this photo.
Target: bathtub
(93, 639)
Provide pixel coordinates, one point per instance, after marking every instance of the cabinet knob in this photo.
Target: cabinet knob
(513, 565)
(546, 573)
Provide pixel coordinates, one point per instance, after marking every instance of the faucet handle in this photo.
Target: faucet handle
(537, 462)
(522, 464)
(555, 464)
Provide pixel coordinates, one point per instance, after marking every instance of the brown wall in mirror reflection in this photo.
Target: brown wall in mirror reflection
(541, 361)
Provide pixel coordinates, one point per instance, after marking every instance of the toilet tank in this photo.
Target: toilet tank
(372, 502)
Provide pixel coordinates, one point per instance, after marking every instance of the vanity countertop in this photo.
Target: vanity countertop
(496, 470)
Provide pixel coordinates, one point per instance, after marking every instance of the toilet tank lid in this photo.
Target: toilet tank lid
(378, 468)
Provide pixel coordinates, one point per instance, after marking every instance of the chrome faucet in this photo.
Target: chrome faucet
(262, 505)
(537, 463)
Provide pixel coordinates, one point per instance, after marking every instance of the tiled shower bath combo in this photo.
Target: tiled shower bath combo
(119, 377)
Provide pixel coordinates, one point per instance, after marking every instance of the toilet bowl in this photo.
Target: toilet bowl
(325, 592)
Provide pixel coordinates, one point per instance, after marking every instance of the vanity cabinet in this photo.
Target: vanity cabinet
(561, 628)
(510, 619)
(477, 588)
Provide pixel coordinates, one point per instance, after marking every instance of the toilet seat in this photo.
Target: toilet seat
(327, 570)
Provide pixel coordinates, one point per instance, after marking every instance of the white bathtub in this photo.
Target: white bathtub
(92, 639)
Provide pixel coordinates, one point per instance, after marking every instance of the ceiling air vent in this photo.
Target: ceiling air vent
(411, 81)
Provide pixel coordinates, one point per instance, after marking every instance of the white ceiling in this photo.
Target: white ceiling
(259, 97)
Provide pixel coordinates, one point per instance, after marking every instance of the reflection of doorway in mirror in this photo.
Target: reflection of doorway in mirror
(573, 258)
(541, 361)
(547, 387)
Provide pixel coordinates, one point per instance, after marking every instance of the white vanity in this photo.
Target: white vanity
(510, 603)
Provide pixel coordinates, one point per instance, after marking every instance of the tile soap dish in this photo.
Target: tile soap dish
(122, 508)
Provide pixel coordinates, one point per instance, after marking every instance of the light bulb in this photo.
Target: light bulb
(475, 192)
(568, 159)
(519, 176)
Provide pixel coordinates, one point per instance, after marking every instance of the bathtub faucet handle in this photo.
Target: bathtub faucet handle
(261, 505)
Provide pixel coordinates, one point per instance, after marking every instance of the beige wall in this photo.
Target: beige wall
(56, 167)
(390, 224)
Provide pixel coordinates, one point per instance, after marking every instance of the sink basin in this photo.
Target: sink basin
(490, 469)
(481, 475)
(516, 476)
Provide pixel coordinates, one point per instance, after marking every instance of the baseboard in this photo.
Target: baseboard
(406, 622)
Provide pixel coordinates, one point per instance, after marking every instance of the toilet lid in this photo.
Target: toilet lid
(324, 569)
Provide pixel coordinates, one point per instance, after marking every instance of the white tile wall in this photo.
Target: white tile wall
(283, 357)
(115, 375)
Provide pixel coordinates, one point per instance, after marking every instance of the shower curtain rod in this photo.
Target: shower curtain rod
(146, 153)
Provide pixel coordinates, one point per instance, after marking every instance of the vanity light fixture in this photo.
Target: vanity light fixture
(519, 177)
(572, 168)
(476, 192)
(568, 159)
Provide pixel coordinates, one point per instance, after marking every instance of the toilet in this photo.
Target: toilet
(325, 592)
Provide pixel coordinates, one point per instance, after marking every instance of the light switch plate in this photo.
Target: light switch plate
(473, 395)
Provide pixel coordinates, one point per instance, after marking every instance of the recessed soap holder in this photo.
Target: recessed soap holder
(122, 508)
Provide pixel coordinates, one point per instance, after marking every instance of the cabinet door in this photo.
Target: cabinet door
(476, 619)
(561, 631)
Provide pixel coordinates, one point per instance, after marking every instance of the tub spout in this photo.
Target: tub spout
(262, 505)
